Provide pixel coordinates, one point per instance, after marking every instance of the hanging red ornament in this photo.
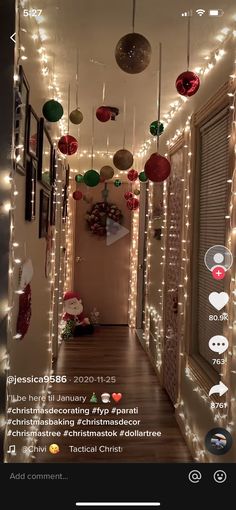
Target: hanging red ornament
(187, 83)
(133, 204)
(157, 168)
(24, 314)
(68, 145)
(128, 195)
(77, 195)
(132, 175)
(103, 114)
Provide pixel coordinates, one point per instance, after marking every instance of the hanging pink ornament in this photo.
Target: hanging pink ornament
(187, 83)
(157, 168)
(103, 114)
(68, 145)
(128, 195)
(132, 175)
(77, 195)
(133, 204)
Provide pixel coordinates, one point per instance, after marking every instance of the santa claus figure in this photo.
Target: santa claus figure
(76, 322)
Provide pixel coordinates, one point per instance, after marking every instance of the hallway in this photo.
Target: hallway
(115, 351)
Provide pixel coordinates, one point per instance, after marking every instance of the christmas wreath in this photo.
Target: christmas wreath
(104, 219)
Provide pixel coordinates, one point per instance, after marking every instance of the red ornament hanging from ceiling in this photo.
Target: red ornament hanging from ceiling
(132, 175)
(133, 204)
(68, 145)
(187, 83)
(157, 168)
(103, 114)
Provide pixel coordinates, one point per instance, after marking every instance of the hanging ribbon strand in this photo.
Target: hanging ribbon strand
(92, 139)
(77, 80)
(134, 129)
(68, 110)
(159, 95)
(124, 123)
(133, 15)
(188, 43)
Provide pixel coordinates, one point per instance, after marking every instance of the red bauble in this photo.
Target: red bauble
(103, 114)
(128, 195)
(132, 175)
(187, 83)
(133, 204)
(68, 145)
(24, 314)
(77, 195)
(157, 168)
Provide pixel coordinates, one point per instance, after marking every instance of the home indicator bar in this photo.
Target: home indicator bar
(152, 504)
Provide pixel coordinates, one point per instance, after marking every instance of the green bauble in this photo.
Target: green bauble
(79, 178)
(156, 128)
(52, 110)
(117, 183)
(91, 178)
(143, 177)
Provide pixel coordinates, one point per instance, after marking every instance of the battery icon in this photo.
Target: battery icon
(216, 12)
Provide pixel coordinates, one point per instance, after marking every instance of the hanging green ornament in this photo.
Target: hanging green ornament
(52, 110)
(79, 178)
(91, 178)
(143, 177)
(156, 128)
(117, 183)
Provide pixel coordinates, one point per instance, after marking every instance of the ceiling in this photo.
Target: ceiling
(94, 28)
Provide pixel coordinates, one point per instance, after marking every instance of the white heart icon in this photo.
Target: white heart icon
(218, 299)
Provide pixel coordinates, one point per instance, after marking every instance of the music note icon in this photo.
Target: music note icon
(12, 449)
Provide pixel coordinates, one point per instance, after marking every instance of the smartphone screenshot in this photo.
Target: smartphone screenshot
(118, 243)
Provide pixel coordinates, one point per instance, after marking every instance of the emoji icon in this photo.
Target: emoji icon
(54, 448)
(93, 399)
(117, 397)
(220, 476)
(219, 389)
(218, 299)
(218, 343)
(106, 398)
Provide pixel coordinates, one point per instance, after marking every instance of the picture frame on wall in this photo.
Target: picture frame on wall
(33, 133)
(21, 123)
(44, 210)
(45, 156)
(30, 189)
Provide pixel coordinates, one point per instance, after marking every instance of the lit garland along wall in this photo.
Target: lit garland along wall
(147, 261)
(133, 282)
(225, 420)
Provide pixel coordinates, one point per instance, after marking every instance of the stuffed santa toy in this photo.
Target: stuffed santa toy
(76, 322)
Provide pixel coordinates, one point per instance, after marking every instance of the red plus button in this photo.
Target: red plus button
(218, 273)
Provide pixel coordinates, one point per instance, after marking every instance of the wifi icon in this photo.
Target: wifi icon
(200, 12)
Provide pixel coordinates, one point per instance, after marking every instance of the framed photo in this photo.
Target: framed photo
(45, 156)
(33, 133)
(44, 213)
(22, 103)
(30, 189)
(53, 205)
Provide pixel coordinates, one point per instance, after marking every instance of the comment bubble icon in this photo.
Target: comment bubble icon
(218, 343)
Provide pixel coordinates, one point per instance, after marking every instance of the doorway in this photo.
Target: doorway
(101, 272)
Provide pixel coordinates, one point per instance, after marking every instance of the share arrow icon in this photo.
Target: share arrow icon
(220, 388)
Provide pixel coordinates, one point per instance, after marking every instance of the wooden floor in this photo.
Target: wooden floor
(115, 351)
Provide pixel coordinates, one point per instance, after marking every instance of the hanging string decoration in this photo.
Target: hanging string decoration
(104, 219)
(52, 111)
(133, 204)
(117, 183)
(91, 178)
(156, 128)
(77, 195)
(142, 177)
(106, 172)
(133, 51)
(132, 175)
(76, 116)
(158, 168)
(68, 145)
(79, 178)
(188, 82)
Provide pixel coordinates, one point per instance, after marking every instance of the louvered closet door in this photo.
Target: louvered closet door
(213, 193)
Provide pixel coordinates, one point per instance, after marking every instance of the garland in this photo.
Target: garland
(104, 219)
